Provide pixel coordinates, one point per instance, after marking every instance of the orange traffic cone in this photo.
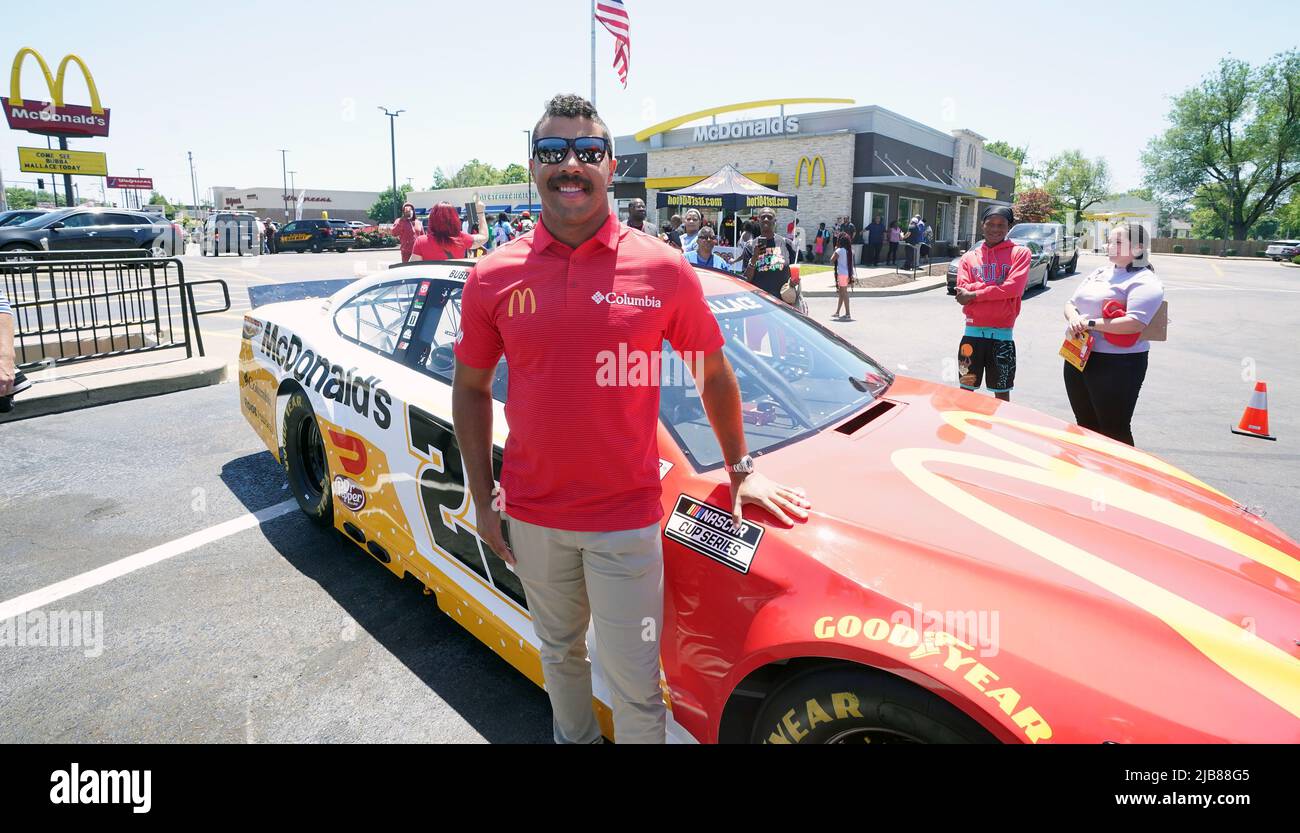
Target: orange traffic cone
(1254, 421)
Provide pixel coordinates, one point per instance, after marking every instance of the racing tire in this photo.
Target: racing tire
(305, 461)
(861, 705)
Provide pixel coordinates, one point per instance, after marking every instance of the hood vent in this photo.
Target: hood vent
(876, 411)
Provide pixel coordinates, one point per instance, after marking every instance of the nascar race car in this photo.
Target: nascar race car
(972, 571)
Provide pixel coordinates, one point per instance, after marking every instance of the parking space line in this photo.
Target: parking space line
(123, 566)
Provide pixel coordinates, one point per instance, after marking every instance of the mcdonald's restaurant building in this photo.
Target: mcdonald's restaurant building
(855, 161)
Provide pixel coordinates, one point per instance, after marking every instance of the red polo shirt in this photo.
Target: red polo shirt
(582, 452)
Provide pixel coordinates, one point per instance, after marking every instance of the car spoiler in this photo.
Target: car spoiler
(278, 292)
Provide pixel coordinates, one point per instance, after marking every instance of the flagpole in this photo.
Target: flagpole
(593, 53)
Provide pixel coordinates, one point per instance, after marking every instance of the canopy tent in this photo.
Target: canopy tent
(728, 191)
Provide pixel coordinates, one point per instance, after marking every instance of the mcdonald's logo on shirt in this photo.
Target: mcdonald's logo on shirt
(812, 165)
(54, 118)
(527, 302)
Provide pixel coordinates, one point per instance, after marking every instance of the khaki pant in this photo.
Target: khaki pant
(617, 577)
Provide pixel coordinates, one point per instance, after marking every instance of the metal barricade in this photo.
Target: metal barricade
(74, 310)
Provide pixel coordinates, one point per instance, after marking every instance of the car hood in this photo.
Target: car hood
(1109, 569)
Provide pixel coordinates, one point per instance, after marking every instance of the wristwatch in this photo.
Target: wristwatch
(744, 466)
(1092, 323)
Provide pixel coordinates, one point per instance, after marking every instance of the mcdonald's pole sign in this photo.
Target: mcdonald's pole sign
(53, 118)
(812, 165)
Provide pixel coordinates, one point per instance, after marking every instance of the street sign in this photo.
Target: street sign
(130, 183)
(80, 162)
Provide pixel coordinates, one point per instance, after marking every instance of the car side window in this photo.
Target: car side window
(436, 338)
(289, 227)
(380, 317)
(123, 220)
(81, 220)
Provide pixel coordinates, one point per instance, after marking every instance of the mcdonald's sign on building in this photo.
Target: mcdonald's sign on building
(812, 166)
(53, 118)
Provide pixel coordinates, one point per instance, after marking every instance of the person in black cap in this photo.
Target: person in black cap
(990, 282)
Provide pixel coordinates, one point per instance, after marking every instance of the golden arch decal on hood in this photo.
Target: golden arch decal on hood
(1261, 665)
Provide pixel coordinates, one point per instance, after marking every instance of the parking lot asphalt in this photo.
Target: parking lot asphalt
(225, 628)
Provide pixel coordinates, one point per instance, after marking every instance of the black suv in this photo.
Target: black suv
(317, 235)
(95, 228)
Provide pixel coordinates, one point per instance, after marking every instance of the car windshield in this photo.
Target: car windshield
(1031, 233)
(39, 219)
(795, 377)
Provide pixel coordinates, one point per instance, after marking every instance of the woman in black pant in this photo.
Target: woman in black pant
(1115, 303)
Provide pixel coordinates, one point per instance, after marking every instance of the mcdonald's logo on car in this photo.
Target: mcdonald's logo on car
(812, 169)
(527, 302)
(54, 118)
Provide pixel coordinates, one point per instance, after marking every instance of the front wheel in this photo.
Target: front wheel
(861, 705)
(305, 463)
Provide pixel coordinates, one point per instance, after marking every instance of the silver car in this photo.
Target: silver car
(1038, 266)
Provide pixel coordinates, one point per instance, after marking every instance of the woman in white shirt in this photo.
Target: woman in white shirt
(1115, 303)
(843, 260)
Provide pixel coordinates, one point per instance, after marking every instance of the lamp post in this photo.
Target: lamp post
(528, 167)
(139, 172)
(194, 183)
(284, 186)
(293, 194)
(392, 141)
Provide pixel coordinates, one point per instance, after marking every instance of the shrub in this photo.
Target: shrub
(375, 240)
(1205, 250)
(1296, 260)
(1229, 253)
(1178, 248)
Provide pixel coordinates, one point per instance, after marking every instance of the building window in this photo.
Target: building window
(909, 208)
(875, 205)
(943, 223)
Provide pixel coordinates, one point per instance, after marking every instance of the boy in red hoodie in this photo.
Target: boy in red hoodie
(990, 282)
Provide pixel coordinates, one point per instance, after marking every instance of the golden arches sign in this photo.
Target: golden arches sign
(54, 117)
(812, 165)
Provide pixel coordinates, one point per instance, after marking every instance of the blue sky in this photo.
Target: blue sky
(235, 81)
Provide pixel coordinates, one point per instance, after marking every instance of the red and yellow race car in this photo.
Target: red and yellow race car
(973, 570)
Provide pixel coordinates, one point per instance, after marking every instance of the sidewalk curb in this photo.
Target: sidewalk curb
(70, 395)
(884, 292)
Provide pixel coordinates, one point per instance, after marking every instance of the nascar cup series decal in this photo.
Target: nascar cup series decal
(710, 531)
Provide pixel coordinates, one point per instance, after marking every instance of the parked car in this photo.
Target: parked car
(95, 228)
(18, 216)
(1038, 266)
(231, 231)
(932, 507)
(1283, 249)
(1060, 246)
(316, 235)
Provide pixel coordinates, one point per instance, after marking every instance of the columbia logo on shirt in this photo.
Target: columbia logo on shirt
(616, 299)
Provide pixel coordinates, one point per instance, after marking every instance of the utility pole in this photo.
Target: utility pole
(194, 183)
(139, 172)
(284, 166)
(528, 167)
(392, 140)
(4, 200)
(293, 193)
(67, 178)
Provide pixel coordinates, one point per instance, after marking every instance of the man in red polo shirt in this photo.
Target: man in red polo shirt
(580, 478)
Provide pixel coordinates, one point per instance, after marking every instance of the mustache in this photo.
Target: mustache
(560, 180)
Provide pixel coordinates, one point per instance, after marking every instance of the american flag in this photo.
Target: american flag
(613, 16)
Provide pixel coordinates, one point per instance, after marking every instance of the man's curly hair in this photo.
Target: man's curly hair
(570, 106)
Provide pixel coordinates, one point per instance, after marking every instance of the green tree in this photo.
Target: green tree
(389, 205)
(1076, 181)
(27, 198)
(158, 199)
(514, 174)
(1026, 175)
(1288, 216)
(472, 173)
(1233, 141)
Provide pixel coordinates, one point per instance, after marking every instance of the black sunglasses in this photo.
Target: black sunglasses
(553, 150)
